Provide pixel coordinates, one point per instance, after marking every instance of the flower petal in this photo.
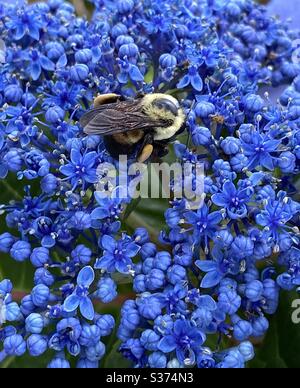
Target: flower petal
(71, 303)
(87, 308)
(108, 243)
(86, 276)
(211, 279)
(167, 344)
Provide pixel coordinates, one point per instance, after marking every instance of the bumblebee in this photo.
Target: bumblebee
(143, 126)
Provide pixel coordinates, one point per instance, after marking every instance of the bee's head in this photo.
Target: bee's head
(162, 107)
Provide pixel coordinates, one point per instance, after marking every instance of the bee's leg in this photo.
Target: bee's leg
(146, 149)
(103, 99)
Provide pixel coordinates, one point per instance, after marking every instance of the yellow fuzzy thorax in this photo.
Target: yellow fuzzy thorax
(154, 113)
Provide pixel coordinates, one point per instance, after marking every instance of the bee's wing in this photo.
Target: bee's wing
(117, 118)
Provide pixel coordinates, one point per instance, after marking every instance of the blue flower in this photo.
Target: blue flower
(218, 268)
(81, 169)
(192, 78)
(80, 297)
(25, 22)
(67, 335)
(204, 223)
(259, 150)
(233, 200)
(129, 71)
(37, 63)
(186, 340)
(117, 255)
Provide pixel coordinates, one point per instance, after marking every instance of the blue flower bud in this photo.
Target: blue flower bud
(254, 103)
(201, 136)
(148, 265)
(287, 162)
(149, 307)
(39, 257)
(27, 305)
(233, 9)
(82, 254)
(84, 56)
(229, 302)
(90, 335)
(130, 50)
(242, 330)
(123, 40)
(148, 250)
(224, 238)
(285, 243)
(6, 242)
(43, 276)
(260, 326)
(54, 114)
(294, 112)
(34, 323)
(40, 295)
(271, 290)
(181, 31)
(14, 345)
(204, 109)
(162, 261)
(139, 284)
(81, 220)
(254, 290)
(59, 363)
(54, 50)
(271, 293)
(157, 360)
(247, 350)
(251, 274)
(176, 274)
(163, 324)
(123, 333)
(233, 360)
(119, 29)
(107, 290)
(125, 6)
(13, 160)
(227, 285)
(79, 72)
(231, 145)
(96, 352)
(242, 247)
(28, 99)
(13, 93)
(141, 236)
(290, 69)
(167, 61)
(131, 320)
(20, 251)
(155, 279)
(37, 345)
(106, 323)
(12, 312)
(239, 162)
(49, 184)
(149, 339)
(249, 34)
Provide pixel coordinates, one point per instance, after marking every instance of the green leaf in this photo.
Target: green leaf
(281, 347)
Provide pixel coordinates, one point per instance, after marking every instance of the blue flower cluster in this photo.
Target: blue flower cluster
(199, 301)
